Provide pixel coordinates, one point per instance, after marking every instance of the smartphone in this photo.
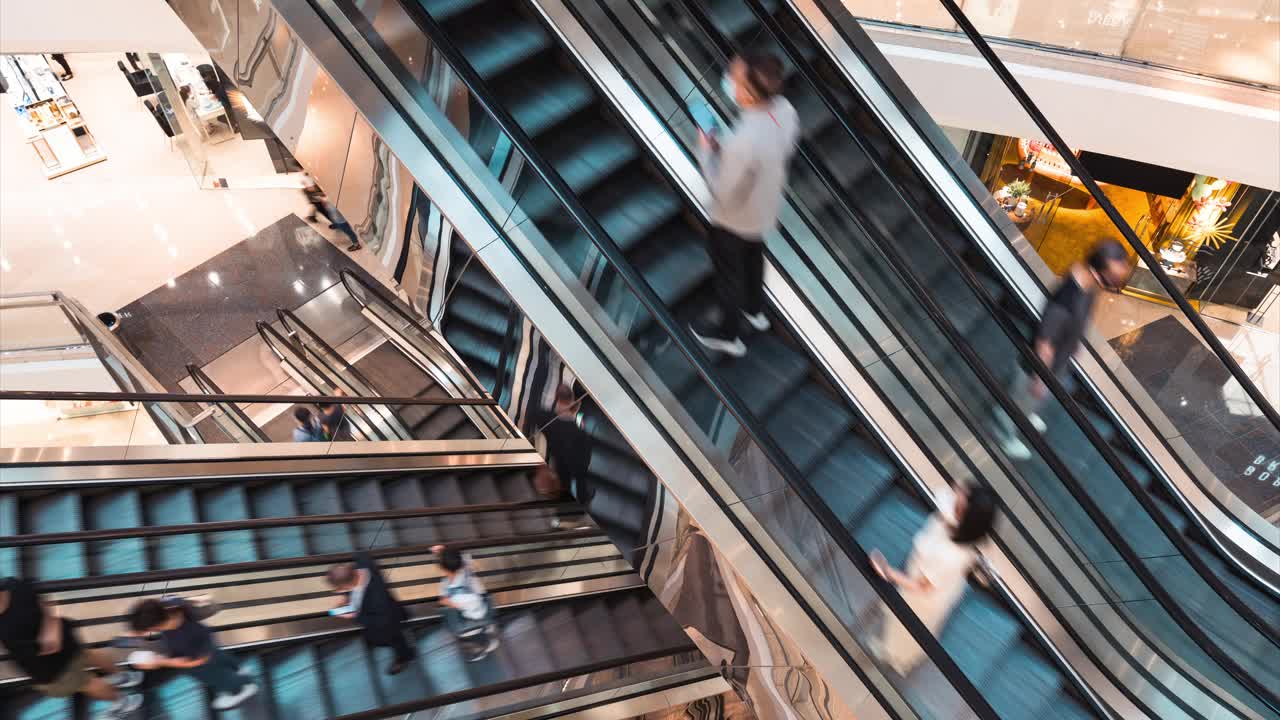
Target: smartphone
(704, 118)
(344, 610)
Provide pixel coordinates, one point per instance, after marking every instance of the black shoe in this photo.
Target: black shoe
(354, 247)
(397, 667)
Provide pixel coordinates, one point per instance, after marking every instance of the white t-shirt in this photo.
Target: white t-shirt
(466, 592)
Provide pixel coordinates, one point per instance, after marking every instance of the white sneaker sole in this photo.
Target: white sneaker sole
(759, 322)
(227, 702)
(734, 347)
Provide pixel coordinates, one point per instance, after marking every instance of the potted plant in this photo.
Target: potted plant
(1018, 192)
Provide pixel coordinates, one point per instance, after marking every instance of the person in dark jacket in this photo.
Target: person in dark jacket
(1059, 333)
(190, 646)
(369, 602)
(569, 447)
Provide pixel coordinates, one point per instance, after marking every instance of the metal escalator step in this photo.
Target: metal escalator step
(621, 470)
(979, 633)
(297, 683)
(807, 424)
(257, 707)
(180, 696)
(891, 525)
(174, 507)
(348, 676)
(114, 510)
(365, 495)
(626, 611)
(221, 504)
(1064, 707)
(1021, 684)
(524, 644)
(662, 626)
(515, 485)
(472, 345)
(479, 489)
(444, 423)
(632, 206)
(32, 706)
(405, 493)
(734, 19)
(599, 630)
(673, 261)
(10, 564)
(444, 10)
(276, 500)
(848, 164)
(851, 478)
(446, 491)
(322, 497)
(496, 49)
(770, 369)
(51, 513)
(565, 638)
(1252, 595)
(410, 684)
(587, 153)
(480, 313)
(441, 660)
(541, 100)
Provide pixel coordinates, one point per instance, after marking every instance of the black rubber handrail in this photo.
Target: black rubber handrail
(661, 315)
(232, 398)
(996, 388)
(1122, 226)
(347, 277)
(162, 576)
(273, 522)
(209, 387)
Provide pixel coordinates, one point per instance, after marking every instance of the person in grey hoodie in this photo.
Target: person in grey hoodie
(746, 171)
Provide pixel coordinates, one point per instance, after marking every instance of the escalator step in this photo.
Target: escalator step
(276, 500)
(446, 491)
(174, 507)
(56, 512)
(621, 470)
(409, 684)
(978, 634)
(441, 660)
(347, 675)
(736, 20)
(494, 49)
(516, 485)
(891, 525)
(479, 313)
(365, 495)
(257, 707)
(851, 479)
(771, 370)
(1021, 684)
(1064, 707)
(405, 493)
(323, 498)
(38, 707)
(297, 683)
(479, 489)
(110, 511)
(632, 206)
(524, 645)
(673, 262)
(541, 100)
(10, 566)
(807, 424)
(634, 636)
(598, 630)
(564, 637)
(443, 10)
(181, 696)
(222, 504)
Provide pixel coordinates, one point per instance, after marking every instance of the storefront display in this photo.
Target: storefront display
(207, 111)
(49, 118)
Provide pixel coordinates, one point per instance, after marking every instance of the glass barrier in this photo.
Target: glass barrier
(559, 229)
(877, 230)
(1232, 39)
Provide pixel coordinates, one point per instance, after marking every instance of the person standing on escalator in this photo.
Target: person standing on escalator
(746, 172)
(1062, 327)
(369, 602)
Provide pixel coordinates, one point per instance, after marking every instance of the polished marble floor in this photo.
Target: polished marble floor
(215, 305)
(1199, 396)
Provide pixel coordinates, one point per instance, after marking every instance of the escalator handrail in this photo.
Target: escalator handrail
(346, 276)
(242, 419)
(996, 388)
(680, 338)
(148, 531)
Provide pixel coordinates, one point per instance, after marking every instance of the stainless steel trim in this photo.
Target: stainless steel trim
(593, 354)
(655, 697)
(174, 461)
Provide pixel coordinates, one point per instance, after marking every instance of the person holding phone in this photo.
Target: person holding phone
(368, 601)
(746, 171)
(189, 646)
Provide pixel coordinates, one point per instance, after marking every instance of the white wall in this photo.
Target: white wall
(1120, 109)
(73, 26)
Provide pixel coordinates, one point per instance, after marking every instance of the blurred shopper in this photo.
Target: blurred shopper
(189, 646)
(45, 647)
(746, 171)
(569, 447)
(1062, 327)
(322, 208)
(369, 602)
(468, 611)
(332, 416)
(306, 427)
(942, 554)
(61, 59)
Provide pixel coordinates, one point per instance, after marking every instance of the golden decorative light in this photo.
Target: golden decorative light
(1213, 234)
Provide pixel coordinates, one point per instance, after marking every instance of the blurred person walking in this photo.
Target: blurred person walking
(306, 427)
(468, 612)
(746, 172)
(369, 602)
(189, 646)
(322, 208)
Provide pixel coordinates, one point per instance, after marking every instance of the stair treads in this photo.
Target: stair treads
(110, 511)
(393, 374)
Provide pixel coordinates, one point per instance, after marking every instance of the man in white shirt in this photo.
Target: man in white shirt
(467, 611)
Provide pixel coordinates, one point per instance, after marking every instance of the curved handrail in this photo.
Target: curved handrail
(237, 416)
(682, 341)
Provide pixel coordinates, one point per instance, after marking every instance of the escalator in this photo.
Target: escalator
(590, 167)
(571, 616)
(1211, 589)
(233, 421)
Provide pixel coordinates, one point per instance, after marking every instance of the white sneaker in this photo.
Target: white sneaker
(122, 708)
(486, 652)
(227, 701)
(1037, 422)
(759, 321)
(126, 679)
(734, 347)
(1015, 449)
